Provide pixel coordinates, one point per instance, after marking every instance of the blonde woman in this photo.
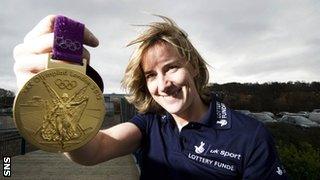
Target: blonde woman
(181, 131)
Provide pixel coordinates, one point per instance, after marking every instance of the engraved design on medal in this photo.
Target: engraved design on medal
(62, 115)
(55, 117)
(36, 101)
(65, 84)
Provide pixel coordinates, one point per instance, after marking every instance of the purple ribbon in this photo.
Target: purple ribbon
(68, 40)
(68, 45)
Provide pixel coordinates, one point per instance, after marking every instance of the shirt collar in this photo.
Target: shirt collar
(218, 116)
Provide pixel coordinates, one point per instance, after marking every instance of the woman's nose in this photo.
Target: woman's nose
(163, 83)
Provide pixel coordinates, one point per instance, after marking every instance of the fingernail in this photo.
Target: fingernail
(94, 40)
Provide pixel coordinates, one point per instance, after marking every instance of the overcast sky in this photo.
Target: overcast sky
(243, 41)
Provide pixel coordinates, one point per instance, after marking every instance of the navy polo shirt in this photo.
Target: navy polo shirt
(225, 144)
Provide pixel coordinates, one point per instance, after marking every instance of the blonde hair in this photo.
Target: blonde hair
(134, 80)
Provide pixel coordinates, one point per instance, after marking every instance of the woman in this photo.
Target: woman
(181, 132)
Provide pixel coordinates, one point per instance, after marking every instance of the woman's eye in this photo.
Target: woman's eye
(173, 68)
(149, 76)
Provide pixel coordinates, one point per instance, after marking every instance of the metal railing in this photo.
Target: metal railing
(12, 143)
(127, 110)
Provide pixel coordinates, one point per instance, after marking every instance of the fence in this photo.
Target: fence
(127, 110)
(12, 143)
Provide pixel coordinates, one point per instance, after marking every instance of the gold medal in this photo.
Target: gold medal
(59, 109)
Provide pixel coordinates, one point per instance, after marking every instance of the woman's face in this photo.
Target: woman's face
(169, 79)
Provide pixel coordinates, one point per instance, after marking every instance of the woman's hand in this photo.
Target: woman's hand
(31, 56)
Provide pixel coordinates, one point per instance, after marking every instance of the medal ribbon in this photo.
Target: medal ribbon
(68, 45)
(68, 40)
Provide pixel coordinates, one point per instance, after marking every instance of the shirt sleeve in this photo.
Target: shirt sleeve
(140, 121)
(262, 159)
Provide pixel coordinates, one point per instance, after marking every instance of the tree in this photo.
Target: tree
(6, 98)
(6, 93)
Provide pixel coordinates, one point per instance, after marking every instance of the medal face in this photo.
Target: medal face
(59, 110)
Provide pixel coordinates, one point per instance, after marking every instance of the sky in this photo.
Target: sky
(243, 41)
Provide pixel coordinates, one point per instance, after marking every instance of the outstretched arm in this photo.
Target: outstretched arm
(110, 143)
(31, 57)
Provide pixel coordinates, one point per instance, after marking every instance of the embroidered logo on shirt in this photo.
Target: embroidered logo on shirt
(222, 115)
(221, 110)
(211, 162)
(225, 153)
(279, 171)
(220, 160)
(199, 149)
(222, 122)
